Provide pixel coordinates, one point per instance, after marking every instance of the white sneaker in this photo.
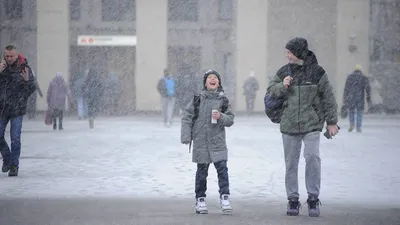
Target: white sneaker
(225, 204)
(201, 206)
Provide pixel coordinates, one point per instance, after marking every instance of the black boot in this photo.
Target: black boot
(313, 207)
(293, 208)
(13, 171)
(6, 167)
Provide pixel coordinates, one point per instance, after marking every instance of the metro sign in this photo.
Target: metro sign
(92, 40)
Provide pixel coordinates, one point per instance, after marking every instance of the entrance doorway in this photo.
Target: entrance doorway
(116, 68)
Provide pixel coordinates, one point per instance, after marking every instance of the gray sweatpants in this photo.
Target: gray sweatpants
(168, 104)
(292, 149)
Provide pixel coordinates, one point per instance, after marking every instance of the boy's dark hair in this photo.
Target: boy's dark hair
(10, 47)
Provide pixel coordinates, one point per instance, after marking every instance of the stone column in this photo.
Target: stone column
(151, 51)
(251, 48)
(352, 40)
(52, 43)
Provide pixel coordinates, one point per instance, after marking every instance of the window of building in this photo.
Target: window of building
(396, 55)
(183, 10)
(225, 9)
(118, 10)
(13, 9)
(184, 59)
(75, 9)
(376, 52)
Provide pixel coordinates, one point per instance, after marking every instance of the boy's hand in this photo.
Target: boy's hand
(216, 115)
(185, 142)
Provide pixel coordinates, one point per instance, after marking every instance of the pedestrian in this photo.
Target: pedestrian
(357, 84)
(309, 103)
(250, 88)
(16, 85)
(57, 94)
(92, 91)
(166, 87)
(77, 84)
(203, 122)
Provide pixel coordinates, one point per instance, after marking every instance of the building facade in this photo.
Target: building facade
(230, 36)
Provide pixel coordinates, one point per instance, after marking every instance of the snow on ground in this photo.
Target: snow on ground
(139, 157)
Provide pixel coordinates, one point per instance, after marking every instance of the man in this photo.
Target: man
(166, 88)
(309, 103)
(77, 84)
(354, 96)
(250, 87)
(16, 84)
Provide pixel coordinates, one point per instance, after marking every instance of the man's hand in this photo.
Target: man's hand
(287, 81)
(333, 130)
(185, 142)
(25, 74)
(3, 65)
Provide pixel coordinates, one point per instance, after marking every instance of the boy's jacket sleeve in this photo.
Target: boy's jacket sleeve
(187, 123)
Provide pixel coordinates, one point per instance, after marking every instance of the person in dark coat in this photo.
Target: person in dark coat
(16, 85)
(250, 88)
(309, 104)
(357, 84)
(92, 90)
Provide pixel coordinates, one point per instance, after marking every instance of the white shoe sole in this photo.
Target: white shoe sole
(202, 211)
(226, 211)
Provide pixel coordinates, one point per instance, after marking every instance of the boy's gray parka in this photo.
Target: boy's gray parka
(209, 141)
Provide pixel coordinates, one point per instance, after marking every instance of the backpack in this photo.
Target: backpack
(170, 86)
(274, 105)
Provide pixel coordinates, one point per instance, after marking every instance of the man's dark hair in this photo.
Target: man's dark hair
(10, 47)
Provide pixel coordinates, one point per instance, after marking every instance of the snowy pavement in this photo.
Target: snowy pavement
(136, 157)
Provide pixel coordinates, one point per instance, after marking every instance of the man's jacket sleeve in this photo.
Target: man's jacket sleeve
(328, 100)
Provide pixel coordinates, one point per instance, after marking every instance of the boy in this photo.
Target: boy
(204, 121)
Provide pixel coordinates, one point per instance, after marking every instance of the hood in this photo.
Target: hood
(310, 58)
(59, 78)
(212, 94)
(19, 64)
(357, 72)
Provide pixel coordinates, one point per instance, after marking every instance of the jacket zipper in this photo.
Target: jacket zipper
(5, 99)
(298, 110)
